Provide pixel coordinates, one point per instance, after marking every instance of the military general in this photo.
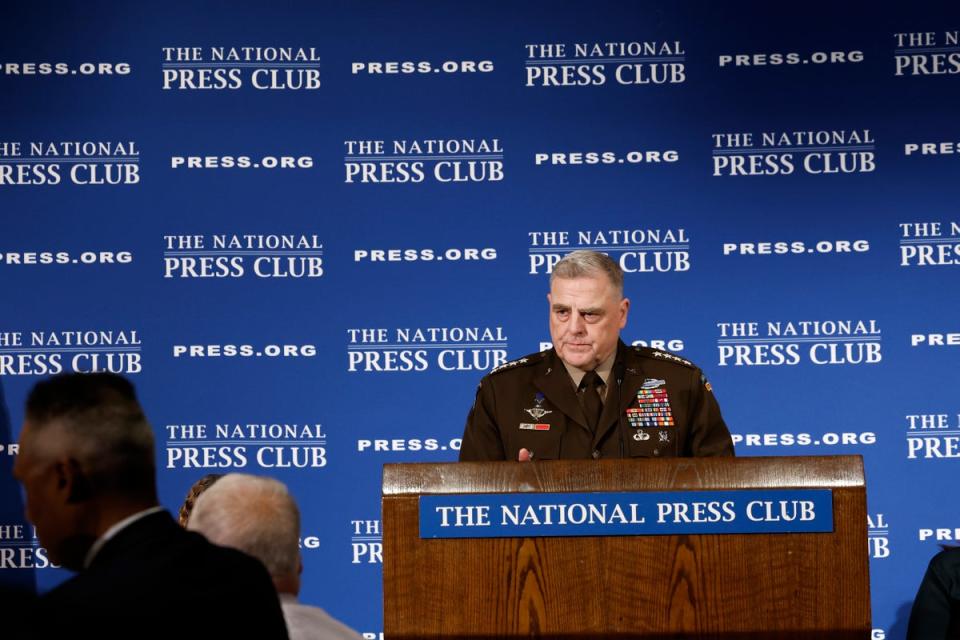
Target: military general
(592, 396)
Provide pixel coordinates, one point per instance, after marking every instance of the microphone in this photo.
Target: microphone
(619, 371)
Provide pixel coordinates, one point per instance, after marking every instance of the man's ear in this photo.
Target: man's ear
(624, 310)
(73, 481)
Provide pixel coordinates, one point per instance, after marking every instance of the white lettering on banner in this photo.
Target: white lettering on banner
(407, 349)
(788, 59)
(923, 53)
(419, 67)
(65, 69)
(595, 63)
(588, 158)
(931, 148)
(233, 68)
(41, 353)
(382, 445)
(878, 536)
(424, 255)
(233, 446)
(795, 247)
(940, 534)
(828, 439)
(819, 342)
(20, 549)
(244, 351)
(459, 160)
(85, 163)
(636, 250)
(929, 244)
(217, 256)
(366, 542)
(59, 258)
(933, 435)
(935, 339)
(815, 152)
(241, 162)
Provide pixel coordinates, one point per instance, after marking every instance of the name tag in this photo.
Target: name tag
(529, 426)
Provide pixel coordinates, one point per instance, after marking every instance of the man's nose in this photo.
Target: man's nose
(576, 324)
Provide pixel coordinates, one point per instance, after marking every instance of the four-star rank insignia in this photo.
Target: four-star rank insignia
(673, 358)
(507, 365)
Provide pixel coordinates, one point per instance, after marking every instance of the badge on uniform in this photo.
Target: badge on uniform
(653, 406)
(530, 426)
(538, 411)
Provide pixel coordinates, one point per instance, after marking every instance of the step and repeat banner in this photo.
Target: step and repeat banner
(306, 231)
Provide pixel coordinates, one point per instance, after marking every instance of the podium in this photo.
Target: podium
(737, 585)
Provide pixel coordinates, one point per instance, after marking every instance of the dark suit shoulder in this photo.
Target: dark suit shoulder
(947, 565)
(658, 355)
(153, 567)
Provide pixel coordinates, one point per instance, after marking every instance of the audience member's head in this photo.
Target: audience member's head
(86, 460)
(258, 516)
(194, 492)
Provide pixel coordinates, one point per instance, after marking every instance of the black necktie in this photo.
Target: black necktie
(592, 406)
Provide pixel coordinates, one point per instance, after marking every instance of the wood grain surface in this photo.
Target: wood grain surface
(782, 586)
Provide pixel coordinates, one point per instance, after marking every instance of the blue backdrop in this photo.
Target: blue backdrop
(307, 230)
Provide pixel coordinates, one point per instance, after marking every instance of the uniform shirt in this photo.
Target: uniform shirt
(603, 372)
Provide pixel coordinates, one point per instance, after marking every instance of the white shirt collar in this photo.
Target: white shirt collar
(114, 530)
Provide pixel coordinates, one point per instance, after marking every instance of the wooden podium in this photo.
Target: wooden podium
(789, 586)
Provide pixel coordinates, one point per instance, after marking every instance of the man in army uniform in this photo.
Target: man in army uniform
(592, 396)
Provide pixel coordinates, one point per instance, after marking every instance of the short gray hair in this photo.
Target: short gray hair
(96, 419)
(586, 264)
(254, 514)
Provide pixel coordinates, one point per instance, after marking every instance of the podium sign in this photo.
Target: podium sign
(505, 515)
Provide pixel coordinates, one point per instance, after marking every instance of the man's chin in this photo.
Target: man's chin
(584, 361)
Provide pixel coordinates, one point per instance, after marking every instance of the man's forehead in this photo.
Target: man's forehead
(582, 287)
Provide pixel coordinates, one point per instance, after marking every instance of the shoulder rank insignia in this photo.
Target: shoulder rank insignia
(507, 365)
(663, 355)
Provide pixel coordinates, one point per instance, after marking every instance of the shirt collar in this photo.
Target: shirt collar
(603, 370)
(114, 530)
